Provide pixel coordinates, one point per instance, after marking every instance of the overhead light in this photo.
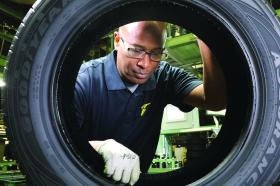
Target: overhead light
(2, 83)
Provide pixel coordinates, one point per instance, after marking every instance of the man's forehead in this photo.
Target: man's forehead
(147, 26)
(151, 29)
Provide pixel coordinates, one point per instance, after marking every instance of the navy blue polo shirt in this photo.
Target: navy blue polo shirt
(107, 109)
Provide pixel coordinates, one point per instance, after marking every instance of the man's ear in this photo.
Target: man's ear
(116, 40)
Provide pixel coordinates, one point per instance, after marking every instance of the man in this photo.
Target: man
(121, 97)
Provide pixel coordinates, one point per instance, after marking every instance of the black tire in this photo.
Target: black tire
(47, 51)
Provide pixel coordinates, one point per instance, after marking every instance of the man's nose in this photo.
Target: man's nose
(145, 61)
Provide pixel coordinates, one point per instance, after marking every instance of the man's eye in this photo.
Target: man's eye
(135, 50)
(157, 52)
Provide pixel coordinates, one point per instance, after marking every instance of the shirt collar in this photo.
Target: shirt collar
(112, 76)
(113, 79)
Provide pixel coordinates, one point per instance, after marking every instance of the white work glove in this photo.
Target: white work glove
(120, 162)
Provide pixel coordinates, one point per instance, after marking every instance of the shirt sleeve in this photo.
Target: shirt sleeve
(80, 96)
(178, 83)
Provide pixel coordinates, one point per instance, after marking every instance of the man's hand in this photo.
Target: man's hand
(120, 162)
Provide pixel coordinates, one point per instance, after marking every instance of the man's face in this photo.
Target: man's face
(132, 68)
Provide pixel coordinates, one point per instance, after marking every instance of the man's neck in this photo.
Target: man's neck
(130, 86)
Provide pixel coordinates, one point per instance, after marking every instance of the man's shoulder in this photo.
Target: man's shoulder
(92, 65)
(163, 64)
(164, 67)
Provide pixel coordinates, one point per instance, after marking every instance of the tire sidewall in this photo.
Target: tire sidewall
(56, 26)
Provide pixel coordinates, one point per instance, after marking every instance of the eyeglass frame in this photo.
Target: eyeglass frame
(129, 47)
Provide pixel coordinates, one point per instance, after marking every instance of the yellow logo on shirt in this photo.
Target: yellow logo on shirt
(144, 108)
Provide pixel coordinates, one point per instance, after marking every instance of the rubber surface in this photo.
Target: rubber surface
(47, 51)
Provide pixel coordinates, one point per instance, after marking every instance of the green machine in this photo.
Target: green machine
(182, 132)
(278, 12)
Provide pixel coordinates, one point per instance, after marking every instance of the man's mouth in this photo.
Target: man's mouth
(141, 75)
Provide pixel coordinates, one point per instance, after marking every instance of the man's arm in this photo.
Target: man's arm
(212, 93)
